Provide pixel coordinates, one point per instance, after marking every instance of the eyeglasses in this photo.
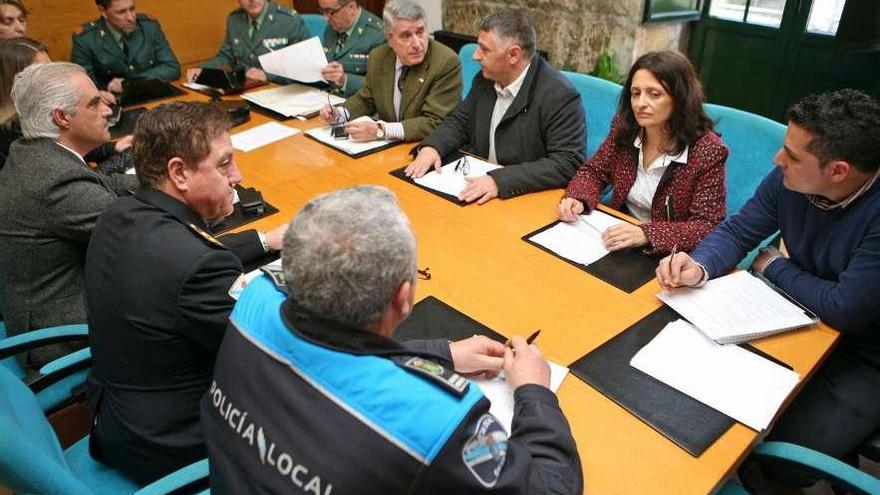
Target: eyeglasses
(424, 274)
(462, 165)
(331, 12)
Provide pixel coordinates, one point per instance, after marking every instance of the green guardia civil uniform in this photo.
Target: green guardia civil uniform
(276, 28)
(366, 33)
(106, 53)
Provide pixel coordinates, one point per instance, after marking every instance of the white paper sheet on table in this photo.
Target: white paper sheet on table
(301, 61)
(451, 182)
(261, 135)
(501, 397)
(737, 308)
(580, 241)
(323, 135)
(292, 100)
(730, 379)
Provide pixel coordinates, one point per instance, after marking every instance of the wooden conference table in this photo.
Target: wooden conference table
(481, 267)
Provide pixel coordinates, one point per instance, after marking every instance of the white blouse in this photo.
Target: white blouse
(641, 195)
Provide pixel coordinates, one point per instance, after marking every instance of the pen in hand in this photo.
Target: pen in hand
(672, 255)
(529, 340)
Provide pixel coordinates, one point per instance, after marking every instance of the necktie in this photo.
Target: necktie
(403, 72)
(124, 43)
(340, 42)
(253, 28)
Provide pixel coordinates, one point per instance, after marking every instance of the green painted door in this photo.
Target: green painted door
(763, 55)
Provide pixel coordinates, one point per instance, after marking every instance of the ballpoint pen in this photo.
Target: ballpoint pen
(529, 340)
(672, 255)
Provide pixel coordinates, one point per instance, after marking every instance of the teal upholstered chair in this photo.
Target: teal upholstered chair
(31, 459)
(840, 474)
(469, 67)
(753, 141)
(599, 98)
(316, 24)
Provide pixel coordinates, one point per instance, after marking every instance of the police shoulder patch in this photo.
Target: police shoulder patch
(434, 372)
(485, 452)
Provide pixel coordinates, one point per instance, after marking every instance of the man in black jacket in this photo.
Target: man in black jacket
(520, 112)
(157, 291)
(311, 395)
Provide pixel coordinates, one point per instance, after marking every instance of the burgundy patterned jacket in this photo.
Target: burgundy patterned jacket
(695, 190)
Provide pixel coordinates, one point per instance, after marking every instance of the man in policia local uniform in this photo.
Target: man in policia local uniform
(122, 44)
(350, 35)
(256, 28)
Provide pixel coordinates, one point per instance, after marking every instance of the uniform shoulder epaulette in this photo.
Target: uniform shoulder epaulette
(85, 28)
(147, 17)
(285, 10)
(436, 373)
(206, 236)
(375, 23)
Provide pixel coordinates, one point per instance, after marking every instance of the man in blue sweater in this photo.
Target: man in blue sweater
(824, 198)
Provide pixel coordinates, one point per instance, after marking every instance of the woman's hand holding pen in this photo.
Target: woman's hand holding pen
(569, 209)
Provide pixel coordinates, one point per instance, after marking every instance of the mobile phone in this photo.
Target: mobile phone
(339, 132)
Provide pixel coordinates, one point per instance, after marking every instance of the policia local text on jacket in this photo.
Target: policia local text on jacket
(299, 405)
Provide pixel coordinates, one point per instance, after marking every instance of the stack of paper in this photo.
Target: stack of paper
(293, 100)
(301, 61)
(580, 241)
(448, 181)
(261, 135)
(737, 308)
(501, 397)
(736, 382)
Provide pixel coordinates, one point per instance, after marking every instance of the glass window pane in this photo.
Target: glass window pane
(733, 10)
(766, 12)
(825, 16)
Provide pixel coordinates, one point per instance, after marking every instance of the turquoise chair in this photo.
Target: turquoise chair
(316, 24)
(838, 473)
(469, 67)
(599, 98)
(753, 141)
(31, 459)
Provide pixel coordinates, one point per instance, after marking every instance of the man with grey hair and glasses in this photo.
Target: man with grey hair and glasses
(520, 112)
(411, 83)
(310, 394)
(50, 199)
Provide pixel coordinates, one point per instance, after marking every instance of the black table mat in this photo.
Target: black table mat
(431, 318)
(448, 197)
(688, 423)
(169, 91)
(126, 123)
(627, 269)
(239, 218)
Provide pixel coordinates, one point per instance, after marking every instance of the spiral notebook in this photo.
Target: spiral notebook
(738, 308)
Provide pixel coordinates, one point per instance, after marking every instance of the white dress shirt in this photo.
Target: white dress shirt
(641, 196)
(502, 103)
(394, 130)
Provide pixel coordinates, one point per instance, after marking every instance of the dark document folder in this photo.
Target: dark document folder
(241, 217)
(688, 423)
(431, 318)
(455, 155)
(627, 269)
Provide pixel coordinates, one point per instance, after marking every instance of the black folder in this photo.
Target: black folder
(431, 318)
(126, 123)
(360, 154)
(140, 91)
(627, 269)
(688, 423)
(455, 155)
(239, 217)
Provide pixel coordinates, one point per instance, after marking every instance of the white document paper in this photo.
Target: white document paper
(501, 397)
(261, 135)
(292, 100)
(451, 182)
(581, 241)
(730, 379)
(301, 61)
(736, 308)
(349, 146)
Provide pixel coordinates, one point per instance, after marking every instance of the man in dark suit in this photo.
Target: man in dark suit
(411, 84)
(157, 291)
(50, 200)
(520, 113)
(122, 44)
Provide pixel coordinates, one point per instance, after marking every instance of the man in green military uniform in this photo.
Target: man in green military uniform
(121, 45)
(258, 27)
(350, 35)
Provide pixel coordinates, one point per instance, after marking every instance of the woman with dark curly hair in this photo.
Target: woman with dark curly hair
(663, 161)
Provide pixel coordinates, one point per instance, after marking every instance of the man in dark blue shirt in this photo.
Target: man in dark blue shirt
(824, 198)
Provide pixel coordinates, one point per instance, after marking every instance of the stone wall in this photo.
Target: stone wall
(573, 31)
